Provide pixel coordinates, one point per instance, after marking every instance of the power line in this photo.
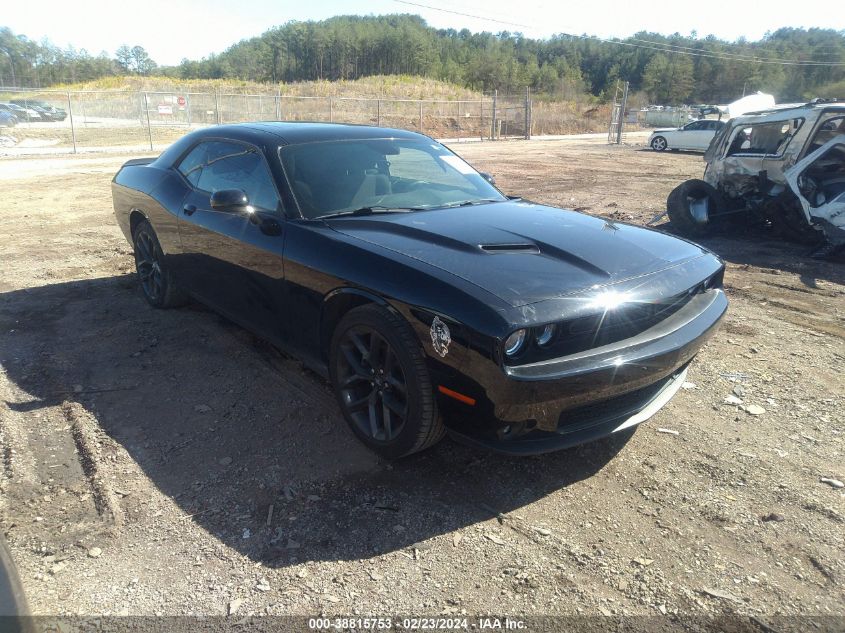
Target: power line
(652, 45)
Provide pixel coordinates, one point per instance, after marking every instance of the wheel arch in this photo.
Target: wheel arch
(136, 216)
(336, 304)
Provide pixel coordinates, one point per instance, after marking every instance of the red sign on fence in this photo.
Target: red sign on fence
(181, 101)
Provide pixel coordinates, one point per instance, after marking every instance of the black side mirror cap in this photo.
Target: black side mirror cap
(487, 177)
(229, 200)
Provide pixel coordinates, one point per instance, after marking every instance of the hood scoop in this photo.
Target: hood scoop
(493, 249)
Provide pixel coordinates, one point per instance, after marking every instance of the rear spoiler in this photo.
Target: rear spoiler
(138, 161)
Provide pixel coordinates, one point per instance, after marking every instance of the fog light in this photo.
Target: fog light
(514, 342)
(545, 335)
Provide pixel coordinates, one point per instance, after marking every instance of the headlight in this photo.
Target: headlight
(514, 342)
(544, 335)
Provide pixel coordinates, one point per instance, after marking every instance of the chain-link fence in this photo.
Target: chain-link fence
(53, 121)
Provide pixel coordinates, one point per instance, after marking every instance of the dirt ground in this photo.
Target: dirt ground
(168, 462)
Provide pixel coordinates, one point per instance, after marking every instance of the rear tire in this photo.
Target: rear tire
(379, 375)
(153, 272)
(695, 207)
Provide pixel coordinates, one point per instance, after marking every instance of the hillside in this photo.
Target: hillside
(387, 86)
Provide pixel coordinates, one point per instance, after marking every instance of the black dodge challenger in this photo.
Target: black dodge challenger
(427, 297)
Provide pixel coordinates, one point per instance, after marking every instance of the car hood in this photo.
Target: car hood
(522, 252)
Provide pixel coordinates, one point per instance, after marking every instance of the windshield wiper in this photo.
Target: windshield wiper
(369, 211)
(469, 203)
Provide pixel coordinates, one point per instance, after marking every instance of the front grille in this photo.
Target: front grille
(624, 322)
(616, 408)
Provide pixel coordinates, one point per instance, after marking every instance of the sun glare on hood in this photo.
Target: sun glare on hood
(610, 300)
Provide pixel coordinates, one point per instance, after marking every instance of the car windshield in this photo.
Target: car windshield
(345, 177)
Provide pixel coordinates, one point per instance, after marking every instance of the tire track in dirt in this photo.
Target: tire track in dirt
(83, 429)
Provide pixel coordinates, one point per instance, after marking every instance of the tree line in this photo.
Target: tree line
(348, 47)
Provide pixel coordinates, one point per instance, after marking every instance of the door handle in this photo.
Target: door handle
(266, 223)
(189, 209)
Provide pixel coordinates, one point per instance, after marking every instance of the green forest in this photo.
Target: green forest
(791, 63)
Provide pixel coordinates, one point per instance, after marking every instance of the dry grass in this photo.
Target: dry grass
(385, 86)
(113, 111)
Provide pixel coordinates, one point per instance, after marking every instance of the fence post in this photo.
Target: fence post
(278, 104)
(530, 115)
(421, 115)
(188, 107)
(378, 112)
(331, 109)
(217, 106)
(493, 124)
(460, 123)
(481, 115)
(149, 127)
(527, 114)
(70, 116)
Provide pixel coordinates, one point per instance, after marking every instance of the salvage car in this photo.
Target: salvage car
(784, 166)
(429, 299)
(7, 119)
(45, 110)
(13, 111)
(694, 136)
(22, 114)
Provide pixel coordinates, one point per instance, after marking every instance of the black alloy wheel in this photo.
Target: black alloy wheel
(372, 384)
(148, 266)
(381, 381)
(159, 289)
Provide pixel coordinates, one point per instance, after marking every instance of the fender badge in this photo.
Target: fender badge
(440, 336)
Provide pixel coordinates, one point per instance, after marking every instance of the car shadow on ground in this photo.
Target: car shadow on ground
(241, 439)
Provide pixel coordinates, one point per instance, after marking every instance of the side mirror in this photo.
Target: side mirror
(487, 177)
(229, 200)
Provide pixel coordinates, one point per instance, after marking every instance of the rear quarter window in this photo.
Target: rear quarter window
(191, 166)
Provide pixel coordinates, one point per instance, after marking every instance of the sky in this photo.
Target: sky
(171, 30)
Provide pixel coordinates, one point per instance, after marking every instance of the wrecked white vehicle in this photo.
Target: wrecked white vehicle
(784, 166)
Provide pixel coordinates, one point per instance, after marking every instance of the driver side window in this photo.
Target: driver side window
(218, 165)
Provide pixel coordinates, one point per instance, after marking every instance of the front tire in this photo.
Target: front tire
(695, 207)
(659, 144)
(381, 382)
(153, 273)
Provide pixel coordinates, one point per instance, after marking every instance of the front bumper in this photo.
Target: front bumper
(589, 423)
(577, 398)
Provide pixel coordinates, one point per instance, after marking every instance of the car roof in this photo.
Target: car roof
(293, 132)
(788, 111)
(276, 133)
